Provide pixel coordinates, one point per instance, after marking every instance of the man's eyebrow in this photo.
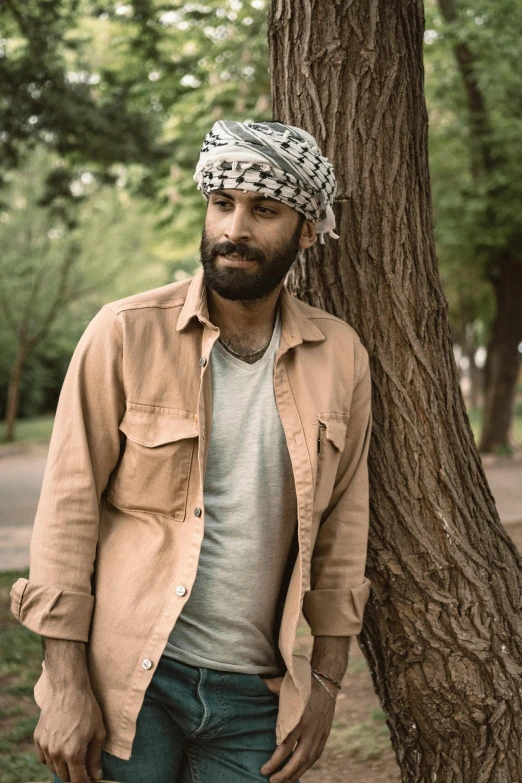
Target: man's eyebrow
(220, 192)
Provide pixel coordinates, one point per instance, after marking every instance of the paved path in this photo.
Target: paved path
(22, 468)
(21, 472)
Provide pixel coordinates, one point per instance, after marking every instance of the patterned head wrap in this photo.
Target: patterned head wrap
(276, 160)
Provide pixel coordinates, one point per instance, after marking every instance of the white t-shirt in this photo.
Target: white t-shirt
(250, 502)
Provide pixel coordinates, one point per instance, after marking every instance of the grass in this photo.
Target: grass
(20, 667)
(34, 430)
(366, 740)
(357, 665)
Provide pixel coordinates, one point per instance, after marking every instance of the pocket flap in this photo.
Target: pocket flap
(335, 424)
(154, 427)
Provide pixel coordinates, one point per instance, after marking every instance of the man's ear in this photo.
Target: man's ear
(308, 234)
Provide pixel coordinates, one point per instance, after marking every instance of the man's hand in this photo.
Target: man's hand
(273, 684)
(70, 734)
(311, 734)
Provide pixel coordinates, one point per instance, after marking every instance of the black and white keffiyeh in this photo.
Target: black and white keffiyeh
(277, 160)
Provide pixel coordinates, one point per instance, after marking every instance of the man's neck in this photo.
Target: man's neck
(244, 323)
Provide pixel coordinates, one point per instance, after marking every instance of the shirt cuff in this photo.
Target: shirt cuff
(49, 611)
(336, 612)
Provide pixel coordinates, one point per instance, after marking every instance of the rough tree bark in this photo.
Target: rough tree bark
(504, 267)
(442, 632)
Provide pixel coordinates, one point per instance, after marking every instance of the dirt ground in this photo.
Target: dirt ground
(358, 748)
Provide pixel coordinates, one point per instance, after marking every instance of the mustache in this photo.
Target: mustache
(250, 253)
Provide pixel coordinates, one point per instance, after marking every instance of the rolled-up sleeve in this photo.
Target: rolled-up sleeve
(334, 604)
(57, 599)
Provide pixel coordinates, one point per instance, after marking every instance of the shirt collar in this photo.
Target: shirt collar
(295, 325)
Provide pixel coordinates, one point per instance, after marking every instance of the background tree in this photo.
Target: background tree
(50, 258)
(121, 95)
(206, 62)
(442, 633)
(128, 83)
(49, 97)
(125, 92)
(470, 297)
(479, 87)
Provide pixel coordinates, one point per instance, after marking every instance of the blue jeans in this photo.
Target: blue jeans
(199, 725)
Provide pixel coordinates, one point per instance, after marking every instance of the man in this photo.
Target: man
(168, 606)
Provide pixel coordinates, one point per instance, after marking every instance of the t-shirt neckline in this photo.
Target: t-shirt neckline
(268, 354)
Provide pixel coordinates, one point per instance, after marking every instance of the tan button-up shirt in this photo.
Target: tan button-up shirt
(120, 520)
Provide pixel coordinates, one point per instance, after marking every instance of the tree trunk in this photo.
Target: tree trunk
(503, 359)
(442, 632)
(13, 394)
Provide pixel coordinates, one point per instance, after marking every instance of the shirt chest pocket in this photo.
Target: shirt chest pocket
(331, 438)
(154, 471)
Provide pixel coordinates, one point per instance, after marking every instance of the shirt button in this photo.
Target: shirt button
(180, 590)
(146, 663)
(202, 361)
(197, 511)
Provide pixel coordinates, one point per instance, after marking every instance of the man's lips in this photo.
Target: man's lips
(235, 260)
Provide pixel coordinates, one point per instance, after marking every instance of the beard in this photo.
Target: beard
(237, 283)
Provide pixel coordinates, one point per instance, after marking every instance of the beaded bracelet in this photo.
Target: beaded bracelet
(328, 691)
(337, 684)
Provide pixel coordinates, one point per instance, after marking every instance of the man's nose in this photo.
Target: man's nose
(238, 226)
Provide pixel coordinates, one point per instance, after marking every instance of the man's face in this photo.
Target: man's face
(249, 243)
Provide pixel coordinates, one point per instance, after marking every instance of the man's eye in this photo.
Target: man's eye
(222, 203)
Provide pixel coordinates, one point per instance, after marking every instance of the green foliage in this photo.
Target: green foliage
(220, 49)
(119, 97)
(134, 84)
(51, 98)
(56, 272)
(476, 205)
